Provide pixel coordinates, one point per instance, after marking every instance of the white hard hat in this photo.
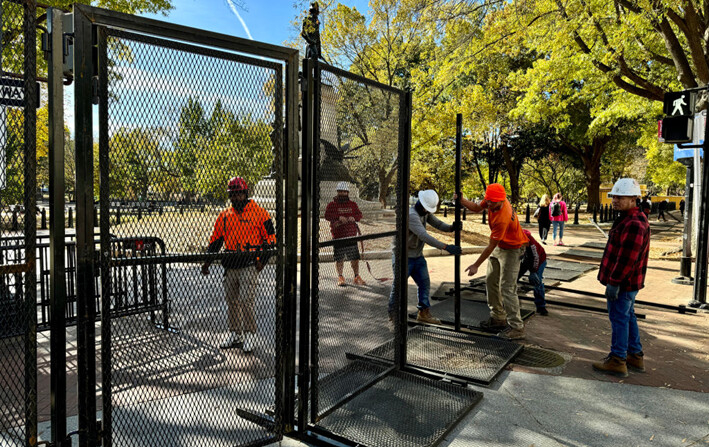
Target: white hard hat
(429, 200)
(628, 187)
(343, 186)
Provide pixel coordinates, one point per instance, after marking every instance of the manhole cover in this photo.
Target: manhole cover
(538, 358)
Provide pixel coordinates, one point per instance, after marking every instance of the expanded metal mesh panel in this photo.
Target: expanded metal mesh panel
(196, 259)
(471, 357)
(355, 200)
(471, 312)
(18, 179)
(402, 410)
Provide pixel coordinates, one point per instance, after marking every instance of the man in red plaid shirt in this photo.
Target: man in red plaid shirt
(622, 271)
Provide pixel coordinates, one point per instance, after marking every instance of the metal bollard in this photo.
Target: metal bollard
(526, 219)
(140, 214)
(71, 217)
(44, 218)
(465, 213)
(595, 208)
(118, 216)
(15, 225)
(576, 214)
(445, 212)
(95, 216)
(484, 215)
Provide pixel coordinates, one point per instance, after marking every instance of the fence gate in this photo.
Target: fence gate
(18, 318)
(356, 145)
(180, 112)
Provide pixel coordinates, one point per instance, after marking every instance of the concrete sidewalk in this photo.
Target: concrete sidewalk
(572, 405)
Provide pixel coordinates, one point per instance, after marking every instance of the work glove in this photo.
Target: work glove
(612, 292)
(457, 225)
(453, 249)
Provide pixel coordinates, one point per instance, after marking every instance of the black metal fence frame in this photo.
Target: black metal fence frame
(90, 26)
(308, 411)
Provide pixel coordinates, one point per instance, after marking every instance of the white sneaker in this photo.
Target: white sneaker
(233, 339)
(248, 342)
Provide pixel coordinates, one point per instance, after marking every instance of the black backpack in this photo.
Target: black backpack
(556, 210)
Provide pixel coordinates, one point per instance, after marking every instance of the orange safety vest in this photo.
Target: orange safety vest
(243, 231)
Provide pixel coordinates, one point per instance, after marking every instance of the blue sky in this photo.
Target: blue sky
(267, 20)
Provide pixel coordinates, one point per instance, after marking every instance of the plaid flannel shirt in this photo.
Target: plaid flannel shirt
(625, 258)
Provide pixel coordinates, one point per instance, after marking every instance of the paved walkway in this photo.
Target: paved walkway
(574, 406)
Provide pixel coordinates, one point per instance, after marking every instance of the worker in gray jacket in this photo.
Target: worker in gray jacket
(419, 215)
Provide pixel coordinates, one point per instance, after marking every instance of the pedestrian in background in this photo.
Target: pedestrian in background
(681, 208)
(646, 206)
(661, 208)
(246, 231)
(419, 215)
(622, 271)
(505, 248)
(343, 215)
(543, 218)
(534, 261)
(559, 215)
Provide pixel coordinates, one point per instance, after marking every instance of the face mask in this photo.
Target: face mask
(239, 205)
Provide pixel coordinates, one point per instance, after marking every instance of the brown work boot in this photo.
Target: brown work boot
(359, 281)
(493, 324)
(512, 334)
(424, 316)
(612, 365)
(341, 281)
(635, 362)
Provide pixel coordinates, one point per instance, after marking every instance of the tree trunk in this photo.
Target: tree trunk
(513, 173)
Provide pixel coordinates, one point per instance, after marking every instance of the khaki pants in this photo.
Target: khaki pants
(240, 289)
(502, 299)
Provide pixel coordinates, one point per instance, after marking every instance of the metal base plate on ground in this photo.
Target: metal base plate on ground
(470, 357)
(595, 245)
(401, 410)
(584, 254)
(570, 265)
(471, 312)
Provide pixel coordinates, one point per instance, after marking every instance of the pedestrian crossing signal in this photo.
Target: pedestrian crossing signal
(677, 129)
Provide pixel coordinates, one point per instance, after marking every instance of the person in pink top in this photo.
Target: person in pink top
(559, 215)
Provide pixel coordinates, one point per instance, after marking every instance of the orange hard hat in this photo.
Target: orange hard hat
(495, 193)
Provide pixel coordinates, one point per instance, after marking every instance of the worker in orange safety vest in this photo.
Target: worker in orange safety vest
(245, 229)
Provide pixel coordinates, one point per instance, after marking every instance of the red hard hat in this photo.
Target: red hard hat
(237, 184)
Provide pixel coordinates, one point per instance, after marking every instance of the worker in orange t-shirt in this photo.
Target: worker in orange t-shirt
(506, 247)
(246, 232)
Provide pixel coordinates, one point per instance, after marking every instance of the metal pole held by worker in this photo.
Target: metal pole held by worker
(458, 152)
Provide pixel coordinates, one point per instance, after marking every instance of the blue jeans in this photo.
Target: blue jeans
(558, 224)
(537, 280)
(418, 270)
(625, 337)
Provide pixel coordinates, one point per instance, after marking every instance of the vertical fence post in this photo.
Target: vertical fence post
(71, 218)
(44, 218)
(15, 225)
(465, 213)
(484, 216)
(57, 277)
(595, 208)
(458, 158)
(526, 219)
(118, 216)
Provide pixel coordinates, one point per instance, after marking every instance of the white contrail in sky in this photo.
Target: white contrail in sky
(232, 6)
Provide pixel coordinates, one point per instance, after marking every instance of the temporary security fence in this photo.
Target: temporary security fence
(356, 146)
(18, 110)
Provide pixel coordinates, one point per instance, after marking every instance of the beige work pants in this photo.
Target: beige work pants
(240, 289)
(501, 281)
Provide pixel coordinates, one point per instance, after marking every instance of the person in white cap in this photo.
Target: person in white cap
(343, 215)
(622, 271)
(419, 215)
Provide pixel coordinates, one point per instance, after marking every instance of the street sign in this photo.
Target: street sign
(679, 103)
(12, 92)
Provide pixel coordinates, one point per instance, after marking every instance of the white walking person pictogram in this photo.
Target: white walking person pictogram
(677, 104)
